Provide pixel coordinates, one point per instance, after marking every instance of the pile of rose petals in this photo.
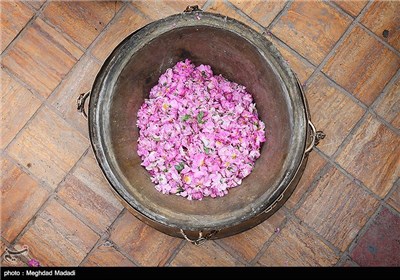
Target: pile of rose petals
(199, 134)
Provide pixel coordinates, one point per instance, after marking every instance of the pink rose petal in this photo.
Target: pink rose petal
(199, 134)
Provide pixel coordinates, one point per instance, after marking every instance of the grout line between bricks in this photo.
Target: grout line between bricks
(290, 213)
(64, 204)
(244, 15)
(379, 39)
(385, 122)
(72, 169)
(82, 48)
(30, 120)
(317, 177)
(105, 237)
(44, 205)
(136, 10)
(264, 29)
(392, 190)
(33, 219)
(5, 241)
(339, 9)
(77, 215)
(106, 27)
(343, 90)
(346, 257)
(22, 83)
(87, 52)
(65, 35)
(342, 260)
(299, 56)
(387, 87)
(52, 192)
(70, 122)
(338, 43)
(359, 123)
(207, 4)
(349, 136)
(363, 230)
(44, 100)
(271, 36)
(336, 250)
(95, 246)
(44, 103)
(23, 30)
(231, 251)
(95, 59)
(267, 33)
(353, 262)
(41, 183)
(391, 209)
(175, 252)
(89, 48)
(368, 110)
(381, 202)
(267, 243)
(29, 3)
(279, 15)
(122, 252)
(349, 176)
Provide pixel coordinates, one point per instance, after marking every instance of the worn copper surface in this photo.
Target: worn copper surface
(241, 55)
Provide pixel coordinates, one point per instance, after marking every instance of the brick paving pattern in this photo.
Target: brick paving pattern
(345, 210)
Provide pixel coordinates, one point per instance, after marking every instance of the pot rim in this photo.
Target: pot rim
(113, 66)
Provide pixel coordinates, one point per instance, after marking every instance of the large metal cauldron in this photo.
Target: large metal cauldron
(238, 53)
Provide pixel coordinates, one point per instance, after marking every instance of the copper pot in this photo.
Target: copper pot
(238, 53)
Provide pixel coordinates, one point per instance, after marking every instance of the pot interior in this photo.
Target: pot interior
(236, 59)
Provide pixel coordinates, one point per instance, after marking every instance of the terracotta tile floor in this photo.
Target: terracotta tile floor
(345, 211)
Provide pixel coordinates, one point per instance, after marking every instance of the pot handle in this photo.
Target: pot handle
(316, 136)
(201, 239)
(80, 103)
(192, 8)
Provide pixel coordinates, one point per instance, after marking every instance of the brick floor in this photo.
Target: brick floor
(389, 107)
(353, 8)
(381, 243)
(333, 110)
(394, 198)
(384, 16)
(42, 71)
(54, 199)
(295, 245)
(300, 28)
(347, 65)
(337, 209)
